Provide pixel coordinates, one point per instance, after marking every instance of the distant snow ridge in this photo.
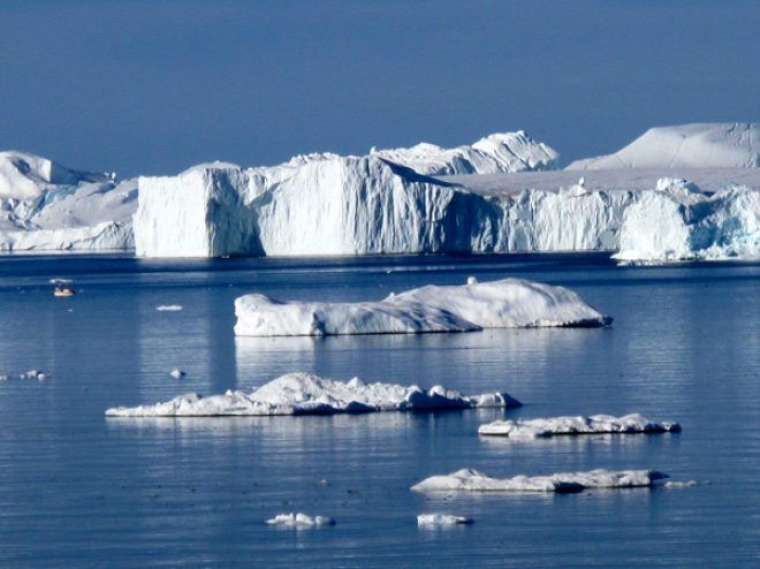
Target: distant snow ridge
(300, 521)
(508, 303)
(45, 206)
(701, 145)
(307, 394)
(596, 424)
(678, 223)
(468, 480)
(442, 520)
(494, 154)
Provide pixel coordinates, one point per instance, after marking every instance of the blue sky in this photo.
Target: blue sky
(155, 86)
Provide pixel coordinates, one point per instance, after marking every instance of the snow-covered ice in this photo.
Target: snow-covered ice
(469, 480)
(45, 206)
(169, 307)
(496, 197)
(496, 153)
(308, 394)
(508, 303)
(596, 424)
(442, 520)
(300, 521)
(699, 145)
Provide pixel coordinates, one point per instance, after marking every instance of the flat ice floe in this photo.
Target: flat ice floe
(307, 394)
(300, 521)
(508, 303)
(442, 520)
(596, 424)
(468, 480)
(169, 307)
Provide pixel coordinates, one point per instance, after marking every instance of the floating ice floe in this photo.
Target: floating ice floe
(32, 374)
(596, 424)
(177, 373)
(300, 520)
(442, 520)
(508, 303)
(307, 394)
(468, 480)
(169, 307)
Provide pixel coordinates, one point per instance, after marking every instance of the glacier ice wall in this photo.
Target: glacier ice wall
(353, 206)
(677, 222)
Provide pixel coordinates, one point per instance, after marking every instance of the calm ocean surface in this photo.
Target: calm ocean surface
(80, 491)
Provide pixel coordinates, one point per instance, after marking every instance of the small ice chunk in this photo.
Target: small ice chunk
(169, 307)
(308, 394)
(469, 480)
(4, 377)
(300, 520)
(678, 484)
(177, 373)
(596, 424)
(471, 280)
(442, 520)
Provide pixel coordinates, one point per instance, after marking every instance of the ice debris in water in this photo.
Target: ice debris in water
(300, 520)
(177, 373)
(469, 480)
(442, 520)
(679, 484)
(32, 374)
(308, 394)
(169, 307)
(507, 303)
(596, 424)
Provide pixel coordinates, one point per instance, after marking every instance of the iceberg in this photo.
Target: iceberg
(469, 480)
(300, 521)
(508, 303)
(679, 222)
(325, 204)
(48, 207)
(700, 145)
(596, 424)
(308, 394)
(442, 520)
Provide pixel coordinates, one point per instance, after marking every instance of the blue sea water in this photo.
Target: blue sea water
(78, 490)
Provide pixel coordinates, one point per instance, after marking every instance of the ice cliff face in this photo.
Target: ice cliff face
(45, 206)
(702, 145)
(353, 206)
(677, 222)
(335, 206)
